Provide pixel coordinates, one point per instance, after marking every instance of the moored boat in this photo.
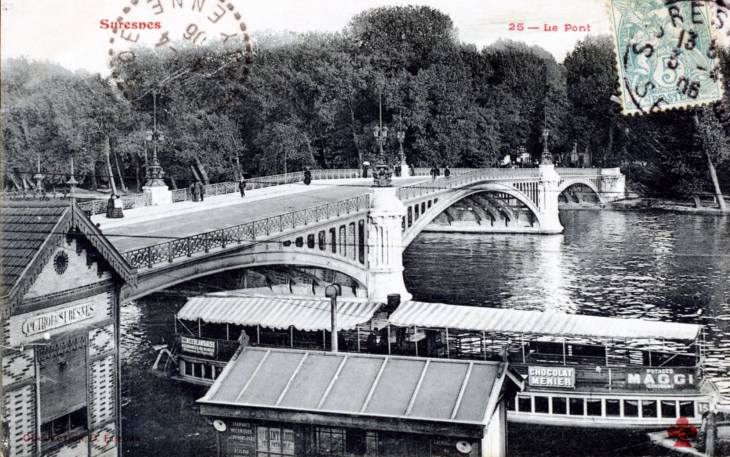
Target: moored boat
(585, 371)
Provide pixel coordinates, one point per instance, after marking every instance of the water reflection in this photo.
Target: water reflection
(647, 265)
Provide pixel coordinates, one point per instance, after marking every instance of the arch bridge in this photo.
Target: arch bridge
(364, 236)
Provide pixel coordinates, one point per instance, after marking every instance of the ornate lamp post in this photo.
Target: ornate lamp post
(72, 182)
(39, 177)
(154, 172)
(382, 172)
(401, 136)
(547, 158)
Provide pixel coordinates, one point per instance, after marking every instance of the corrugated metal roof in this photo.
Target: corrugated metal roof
(440, 315)
(457, 391)
(273, 312)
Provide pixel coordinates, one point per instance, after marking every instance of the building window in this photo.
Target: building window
(686, 409)
(613, 408)
(330, 441)
(373, 445)
(511, 404)
(68, 424)
(648, 408)
(274, 441)
(576, 407)
(524, 404)
(542, 405)
(310, 241)
(560, 405)
(669, 408)
(631, 408)
(593, 407)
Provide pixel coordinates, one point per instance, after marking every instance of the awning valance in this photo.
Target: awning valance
(439, 315)
(303, 313)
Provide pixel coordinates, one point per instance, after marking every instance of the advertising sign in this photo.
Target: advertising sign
(241, 439)
(563, 377)
(661, 378)
(198, 346)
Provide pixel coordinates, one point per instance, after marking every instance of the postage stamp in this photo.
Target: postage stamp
(667, 54)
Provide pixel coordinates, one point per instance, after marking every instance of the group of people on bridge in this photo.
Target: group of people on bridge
(436, 172)
(114, 207)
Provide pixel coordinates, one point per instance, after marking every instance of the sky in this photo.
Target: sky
(68, 31)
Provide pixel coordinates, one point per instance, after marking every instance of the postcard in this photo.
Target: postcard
(365, 228)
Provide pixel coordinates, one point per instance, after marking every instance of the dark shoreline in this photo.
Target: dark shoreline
(643, 203)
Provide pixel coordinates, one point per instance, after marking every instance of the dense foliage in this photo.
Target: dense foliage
(312, 100)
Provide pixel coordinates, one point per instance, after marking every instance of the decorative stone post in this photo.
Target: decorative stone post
(548, 205)
(385, 241)
(612, 184)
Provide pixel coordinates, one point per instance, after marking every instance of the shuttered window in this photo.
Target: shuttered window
(63, 377)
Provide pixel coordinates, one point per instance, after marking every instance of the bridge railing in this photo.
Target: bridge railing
(588, 172)
(424, 188)
(203, 242)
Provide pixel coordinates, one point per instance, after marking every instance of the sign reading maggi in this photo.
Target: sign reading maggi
(551, 377)
(661, 378)
(48, 321)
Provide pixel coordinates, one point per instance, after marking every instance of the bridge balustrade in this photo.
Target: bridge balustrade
(457, 180)
(203, 242)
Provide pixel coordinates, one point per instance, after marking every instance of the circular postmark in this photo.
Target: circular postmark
(206, 39)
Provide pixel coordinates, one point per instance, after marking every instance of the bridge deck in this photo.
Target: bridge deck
(152, 225)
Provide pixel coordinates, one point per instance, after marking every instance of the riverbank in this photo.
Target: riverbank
(664, 205)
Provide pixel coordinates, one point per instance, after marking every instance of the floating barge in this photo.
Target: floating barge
(585, 371)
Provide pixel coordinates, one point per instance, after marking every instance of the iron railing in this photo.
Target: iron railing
(458, 180)
(250, 231)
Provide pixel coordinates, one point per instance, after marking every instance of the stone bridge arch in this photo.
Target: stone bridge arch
(566, 184)
(448, 200)
(158, 279)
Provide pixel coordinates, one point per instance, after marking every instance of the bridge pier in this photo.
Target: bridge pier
(385, 246)
(548, 190)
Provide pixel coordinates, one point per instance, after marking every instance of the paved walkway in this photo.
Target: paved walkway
(146, 226)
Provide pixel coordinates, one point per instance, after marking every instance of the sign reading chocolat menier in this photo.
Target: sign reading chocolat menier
(551, 377)
(55, 319)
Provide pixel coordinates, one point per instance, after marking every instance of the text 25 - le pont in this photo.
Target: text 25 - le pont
(107, 24)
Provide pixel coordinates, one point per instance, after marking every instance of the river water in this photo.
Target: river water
(629, 264)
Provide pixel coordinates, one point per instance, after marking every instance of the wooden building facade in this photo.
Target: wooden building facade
(60, 332)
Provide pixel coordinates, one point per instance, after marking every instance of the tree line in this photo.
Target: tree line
(312, 99)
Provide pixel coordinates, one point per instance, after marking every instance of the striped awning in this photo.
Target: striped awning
(303, 313)
(439, 315)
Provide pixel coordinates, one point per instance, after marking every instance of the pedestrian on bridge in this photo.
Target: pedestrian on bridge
(118, 213)
(447, 172)
(242, 186)
(110, 207)
(195, 191)
(201, 190)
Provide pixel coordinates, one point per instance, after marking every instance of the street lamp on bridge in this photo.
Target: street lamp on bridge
(382, 173)
(154, 171)
(547, 158)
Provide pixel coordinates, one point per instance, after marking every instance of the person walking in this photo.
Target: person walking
(201, 190)
(195, 191)
(110, 207)
(397, 171)
(307, 176)
(242, 186)
(118, 212)
(447, 172)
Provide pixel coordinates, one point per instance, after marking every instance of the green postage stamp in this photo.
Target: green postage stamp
(667, 53)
